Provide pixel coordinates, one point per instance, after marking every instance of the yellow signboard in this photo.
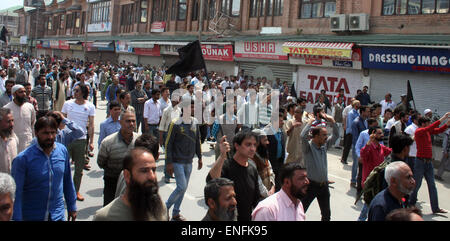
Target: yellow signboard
(343, 53)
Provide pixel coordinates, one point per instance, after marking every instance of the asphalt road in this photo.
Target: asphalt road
(194, 208)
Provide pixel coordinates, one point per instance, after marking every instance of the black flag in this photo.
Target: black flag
(3, 34)
(409, 95)
(191, 59)
(293, 91)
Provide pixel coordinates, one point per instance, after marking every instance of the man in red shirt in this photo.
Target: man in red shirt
(423, 165)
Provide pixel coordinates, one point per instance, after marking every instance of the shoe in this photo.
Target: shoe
(331, 182)
(353, 184)
(344, 162)
(79, 197)
(90, 154)
(87, 167)
(441, 210)
(338, 147)
(178, 217)
(438, 178)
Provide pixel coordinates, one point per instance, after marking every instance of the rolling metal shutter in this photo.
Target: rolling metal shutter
(271, 71)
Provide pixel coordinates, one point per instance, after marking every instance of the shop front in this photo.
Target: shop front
(427, 69)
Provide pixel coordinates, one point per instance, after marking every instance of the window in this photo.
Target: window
(212, 8)
(128, 13)
(173, 11)
(61, 21)
(69, 21)
(144, 6)
(195, 10)
(317, 8)
(77, 19)
(254, 8)
(231, 7)
(412, 7)
(278, 8)
(182, 10)
(100, 12)
(49, 23)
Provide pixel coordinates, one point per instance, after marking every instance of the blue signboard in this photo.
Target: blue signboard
(408, 59)
(45, 44)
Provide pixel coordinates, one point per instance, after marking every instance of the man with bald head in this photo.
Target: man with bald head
(112, 151)
(401, 184)
(24, 117)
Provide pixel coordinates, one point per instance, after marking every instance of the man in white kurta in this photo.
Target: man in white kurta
(8, 140)
(24, 117)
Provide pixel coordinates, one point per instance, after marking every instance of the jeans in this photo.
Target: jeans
(347, 145)
(354, 165)
(364, 213)
(153, 129)
(140, 122)
(109, 189)
(182, 174)
(425, 168)
(323, 197)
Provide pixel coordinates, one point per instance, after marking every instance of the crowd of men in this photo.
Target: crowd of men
(271, 154)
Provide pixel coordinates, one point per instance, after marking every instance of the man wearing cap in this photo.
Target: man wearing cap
(24, 117)
(428, 113)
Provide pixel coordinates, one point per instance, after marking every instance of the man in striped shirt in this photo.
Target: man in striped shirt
(43, 95)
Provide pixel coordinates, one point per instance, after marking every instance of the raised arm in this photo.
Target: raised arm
(216, 170)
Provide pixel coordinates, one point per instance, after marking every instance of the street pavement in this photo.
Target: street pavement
(194, 208)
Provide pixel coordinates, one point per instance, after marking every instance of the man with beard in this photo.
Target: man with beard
(285, 205)
(8, 141)
(43, 178)
(141, 201)
(221, 200)
(24, 117)
(401, 182)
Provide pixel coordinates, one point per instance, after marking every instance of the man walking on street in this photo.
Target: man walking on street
(8, 142)
(138, 99)
(359, 124)
(43, 95)
(43, 178)
(112, 151)
(183, 142)
(315, 156)
(348, 138)
(24, 117)
(152, 113)
(423, 165)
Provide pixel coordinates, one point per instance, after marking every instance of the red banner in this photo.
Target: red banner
(63, 45)
(155, 51)
(158, 27)
(217, 52)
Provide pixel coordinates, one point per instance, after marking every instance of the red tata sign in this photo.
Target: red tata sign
(217, 52)
(155, 51)
(260, 50)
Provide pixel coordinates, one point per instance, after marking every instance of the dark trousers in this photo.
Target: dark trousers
(109, 191)
(321, 191)
(347, 146)
(140, 122)
(359, 178)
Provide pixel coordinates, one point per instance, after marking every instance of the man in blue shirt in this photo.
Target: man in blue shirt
(68, 130)
(111, 125)
(351, 116)
(401, 183)
(364, 98)
(43, 178)
(358, 125)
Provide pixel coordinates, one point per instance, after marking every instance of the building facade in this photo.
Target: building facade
(317, 44)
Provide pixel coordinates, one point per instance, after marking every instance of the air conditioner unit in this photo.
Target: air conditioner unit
(358, 22)
(338, 22)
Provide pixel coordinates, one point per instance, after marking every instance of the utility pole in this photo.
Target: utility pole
(200, 21)
(86, 27)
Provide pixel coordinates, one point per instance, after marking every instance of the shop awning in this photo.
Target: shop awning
(73, 42)
(101, 44)
(342, 50)
(143, 44)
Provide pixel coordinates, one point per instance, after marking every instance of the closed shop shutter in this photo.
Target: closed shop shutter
(108, 56)
(128, 58)
(270, 71)
(223, 68)
(430, 90)
(151, 60)
(78, 54)
(67, 54)
(57, 52)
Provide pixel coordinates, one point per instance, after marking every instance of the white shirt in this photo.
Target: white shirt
(178, 79)
(387, 105)
(79, 114)
(152, 111)
(163, 104)
(169, 114)
(346, 110)
(390, 123)
(410, 130)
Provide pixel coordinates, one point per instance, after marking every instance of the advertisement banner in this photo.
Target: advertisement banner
(89, 46)
(155, 51)
(407, 59)
(328, 61)
(123, 47)
(63, 45)
(311, 80)
(23, 39)
(260, 50)
(217, 52)
(46, 44)
(158, 27)
(343, 53)
(54, 44)
(99, 27)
